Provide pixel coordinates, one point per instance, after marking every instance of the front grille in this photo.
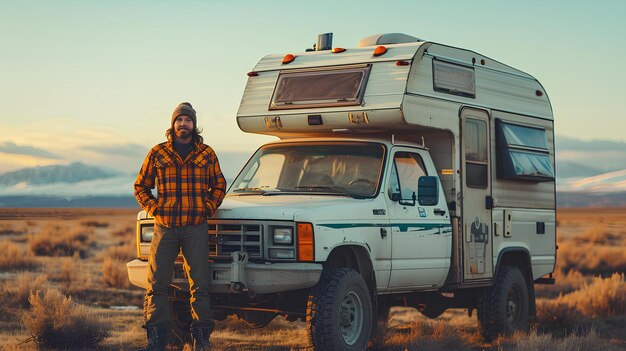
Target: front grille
(226, 238)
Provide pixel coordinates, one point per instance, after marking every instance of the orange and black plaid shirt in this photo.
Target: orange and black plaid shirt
(188, 191)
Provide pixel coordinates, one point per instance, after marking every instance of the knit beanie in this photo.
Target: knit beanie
(184, 109)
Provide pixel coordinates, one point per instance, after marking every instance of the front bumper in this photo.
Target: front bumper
(241, 276)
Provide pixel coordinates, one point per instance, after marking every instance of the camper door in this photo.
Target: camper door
(476, 214)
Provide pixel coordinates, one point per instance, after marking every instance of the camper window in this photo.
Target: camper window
(453, 79)
(337, 87)
(476, 157)
(522, 153)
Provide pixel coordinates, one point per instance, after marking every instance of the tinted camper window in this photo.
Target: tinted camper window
(337, 87)
(522, 153)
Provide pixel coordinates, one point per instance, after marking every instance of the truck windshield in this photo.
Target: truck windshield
(337, 168)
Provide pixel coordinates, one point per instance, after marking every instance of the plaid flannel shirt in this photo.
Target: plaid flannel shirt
(188, 191)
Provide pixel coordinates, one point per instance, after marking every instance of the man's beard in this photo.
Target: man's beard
(183, 133)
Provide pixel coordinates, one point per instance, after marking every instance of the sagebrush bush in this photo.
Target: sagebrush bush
(55, 321)
(60, 240)
(564, 283)
(114, 273)
(94, 223)
(16, 292)
(68, 272)
(13, 256)
(126, 251)
(602, 298)
(9, 229)
(599, 250)
(126, 232)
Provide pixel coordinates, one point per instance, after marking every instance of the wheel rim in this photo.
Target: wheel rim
(513, 303)
(351, 317)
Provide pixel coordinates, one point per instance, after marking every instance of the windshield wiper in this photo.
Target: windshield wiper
(336, 189)
(250, 190)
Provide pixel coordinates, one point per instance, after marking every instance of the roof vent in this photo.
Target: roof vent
(387, 38)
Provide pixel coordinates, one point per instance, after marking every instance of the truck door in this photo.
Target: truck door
(476, 212)
(420, 235)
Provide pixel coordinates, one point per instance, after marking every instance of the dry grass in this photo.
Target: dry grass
(587, 341)
(14, 256)
(15, 293)
(55, 321)
(12, 229)
(585, 290)
(124, 251)
(114, 273)
(424, 335)
(603, 297)
(61, 240)
(96, 223)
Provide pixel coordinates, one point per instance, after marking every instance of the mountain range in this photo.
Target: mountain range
(589, 173)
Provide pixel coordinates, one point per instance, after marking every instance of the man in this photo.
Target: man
(190, 188)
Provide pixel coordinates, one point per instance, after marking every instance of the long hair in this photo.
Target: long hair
(196, 138)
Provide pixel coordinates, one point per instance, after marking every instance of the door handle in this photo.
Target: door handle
(440, 212)
(383, 233)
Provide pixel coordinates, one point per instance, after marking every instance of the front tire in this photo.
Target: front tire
(504, 308)
(339, 312)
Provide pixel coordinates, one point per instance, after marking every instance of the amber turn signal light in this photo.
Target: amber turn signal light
(288, 59)
(306, 248)
(337, 50)
(380, 50)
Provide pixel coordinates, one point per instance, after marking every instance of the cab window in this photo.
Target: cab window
(406, 170)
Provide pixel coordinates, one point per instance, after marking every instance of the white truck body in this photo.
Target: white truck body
(480, 132)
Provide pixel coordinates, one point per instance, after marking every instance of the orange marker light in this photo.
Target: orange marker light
(288, 59)
(380, 50)
(402, 63)
(337, 50)
(306, 249)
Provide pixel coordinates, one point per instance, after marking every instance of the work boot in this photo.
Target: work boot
(157, 339)
(200, 336)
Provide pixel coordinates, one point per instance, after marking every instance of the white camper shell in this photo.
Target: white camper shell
(408, 172)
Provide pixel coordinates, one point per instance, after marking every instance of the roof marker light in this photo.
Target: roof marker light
(402, 63)
(380, 50)
(338, 50)
(539, 93)
(288, 59)
(252, 74)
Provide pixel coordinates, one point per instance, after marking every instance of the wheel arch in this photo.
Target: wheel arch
(516, 256)
(519, 257)
(356, 257)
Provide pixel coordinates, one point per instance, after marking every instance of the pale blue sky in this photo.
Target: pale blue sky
(109, 73)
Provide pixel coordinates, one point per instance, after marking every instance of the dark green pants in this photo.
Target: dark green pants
(165, 246)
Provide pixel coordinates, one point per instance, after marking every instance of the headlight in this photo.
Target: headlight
(283, 236)
(146, 233)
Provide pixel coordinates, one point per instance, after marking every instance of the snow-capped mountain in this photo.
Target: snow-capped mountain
(68, 174)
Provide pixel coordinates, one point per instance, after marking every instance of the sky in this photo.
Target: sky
(97, 81)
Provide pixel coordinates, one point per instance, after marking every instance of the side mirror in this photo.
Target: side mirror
(428, 191)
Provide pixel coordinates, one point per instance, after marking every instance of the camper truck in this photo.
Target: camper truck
(407, 172)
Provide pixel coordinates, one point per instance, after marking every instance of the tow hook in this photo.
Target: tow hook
(238, 272)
